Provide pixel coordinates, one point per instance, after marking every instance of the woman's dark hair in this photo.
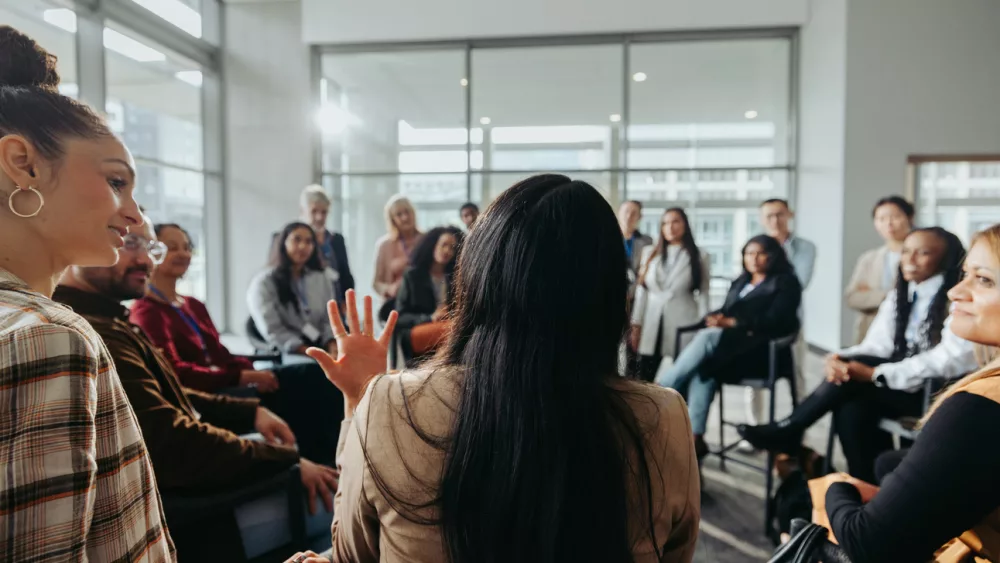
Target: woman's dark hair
(160, 227)
(777, 259)
(281, 263)
(931, 327)
(423, 255)
(687, 241)
(30, 103)
(545, 461)
(903, 205)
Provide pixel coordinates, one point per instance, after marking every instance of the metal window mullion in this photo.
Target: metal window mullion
(91, 73)
(214, 222)
(468, 123)
(623, 141)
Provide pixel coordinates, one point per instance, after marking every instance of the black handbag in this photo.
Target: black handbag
(808, 545)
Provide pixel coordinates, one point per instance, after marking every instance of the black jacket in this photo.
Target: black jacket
(415, 304)
(340, 254)
(770, 311)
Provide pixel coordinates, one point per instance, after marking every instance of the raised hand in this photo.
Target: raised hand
(360, 356)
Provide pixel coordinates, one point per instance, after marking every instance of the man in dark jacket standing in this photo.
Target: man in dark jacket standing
(315, 205)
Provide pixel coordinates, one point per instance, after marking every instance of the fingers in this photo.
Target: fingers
(368, 328)
(286, 435)
(352, 312)
(267, 434)
(335, 321)
(325, 489)
(311, 495)
(390, 325)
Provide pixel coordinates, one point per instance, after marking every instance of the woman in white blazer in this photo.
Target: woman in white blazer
(672, 291)
(875, 273)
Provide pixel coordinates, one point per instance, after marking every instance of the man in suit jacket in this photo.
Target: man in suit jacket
(192, 437)
(774, 216)
(629, 214)
(315, 205)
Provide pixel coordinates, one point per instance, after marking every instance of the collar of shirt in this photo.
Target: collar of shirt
(926, 289)
(90, 304)
(788, 245)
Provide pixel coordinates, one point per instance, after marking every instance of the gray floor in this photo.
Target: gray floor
(733, 500)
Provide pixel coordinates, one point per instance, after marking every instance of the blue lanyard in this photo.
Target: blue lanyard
(187, 319)
(301, 294)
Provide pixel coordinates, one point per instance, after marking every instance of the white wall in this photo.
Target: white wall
(350, 21)
(268, 134)
(921, 77)
(820, 200)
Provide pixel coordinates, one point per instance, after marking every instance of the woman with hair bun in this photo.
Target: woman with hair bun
(77, 477)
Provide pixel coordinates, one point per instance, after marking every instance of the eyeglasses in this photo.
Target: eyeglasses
(156, 250)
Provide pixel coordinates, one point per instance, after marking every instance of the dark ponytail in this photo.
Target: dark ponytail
(30, 103)
(931, 327)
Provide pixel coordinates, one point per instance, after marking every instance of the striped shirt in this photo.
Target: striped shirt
(76, 483)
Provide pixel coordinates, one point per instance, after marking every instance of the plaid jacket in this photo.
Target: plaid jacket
(76, 483)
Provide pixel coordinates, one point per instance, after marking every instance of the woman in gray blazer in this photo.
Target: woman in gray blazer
(671, 292)
(875, 273)
(288, 301)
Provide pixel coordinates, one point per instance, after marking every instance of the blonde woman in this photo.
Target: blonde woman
(392, 251)
(947, 483)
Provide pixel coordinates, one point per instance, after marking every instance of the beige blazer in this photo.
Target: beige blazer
(867, 272)
(367, 528)
(666, 302)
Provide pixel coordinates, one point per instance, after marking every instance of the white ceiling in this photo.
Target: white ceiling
(696, 82)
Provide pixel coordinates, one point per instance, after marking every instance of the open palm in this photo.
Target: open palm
(360, 356)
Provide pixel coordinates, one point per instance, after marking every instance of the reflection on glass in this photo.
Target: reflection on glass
(946, 187)
(185, 14)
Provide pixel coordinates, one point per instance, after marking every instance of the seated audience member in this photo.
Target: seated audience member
(908, 342)
(182, 329)
(393, 251)
(315, 205)
(469, 213)
(762, 304)
(77, 477)
(947, 483)
(521, 443)
(425, 294)
(288, 300)
(672, 291)
(875, 273)
(192, 436)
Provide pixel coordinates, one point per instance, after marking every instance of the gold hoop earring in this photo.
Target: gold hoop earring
(17, 190)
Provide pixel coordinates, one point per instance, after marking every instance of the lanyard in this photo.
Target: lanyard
(300, 292)
(192, 324)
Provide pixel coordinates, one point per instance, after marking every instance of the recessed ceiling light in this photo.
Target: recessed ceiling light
(639, 77)
(484, 120)
(750, 114)
(464, 82)
(615, 118)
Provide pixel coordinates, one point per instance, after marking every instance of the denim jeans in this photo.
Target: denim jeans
(683, 375)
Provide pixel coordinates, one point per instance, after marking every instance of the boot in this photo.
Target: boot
(785, 436)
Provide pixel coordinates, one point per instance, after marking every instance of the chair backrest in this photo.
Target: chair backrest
(256, 338)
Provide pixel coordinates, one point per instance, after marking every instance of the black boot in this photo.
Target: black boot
(785, 436)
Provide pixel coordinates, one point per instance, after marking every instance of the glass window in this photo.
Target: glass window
(53, 27)
(963, 197)
(154, 102)
(185, 14)
(551, 108)
(394, 112)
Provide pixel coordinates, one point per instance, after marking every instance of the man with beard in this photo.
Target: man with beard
(192, 437)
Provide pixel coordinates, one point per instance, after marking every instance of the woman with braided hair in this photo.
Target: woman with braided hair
(908, 342)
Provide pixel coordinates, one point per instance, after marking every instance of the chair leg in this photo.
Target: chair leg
(768, 485)
(722, 431)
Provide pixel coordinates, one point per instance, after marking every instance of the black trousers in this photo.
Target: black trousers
(645, 367)
(858, 407)
(311, 405)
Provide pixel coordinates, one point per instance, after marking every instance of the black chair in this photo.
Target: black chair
(264, 351)
(191, 510)
(780, 365)
(902, 428)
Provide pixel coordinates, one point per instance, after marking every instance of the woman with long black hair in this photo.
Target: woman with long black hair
(908, 342)
(288, 300)
(521, 442)
(671, 292)
(762, 304)
(425, 292)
